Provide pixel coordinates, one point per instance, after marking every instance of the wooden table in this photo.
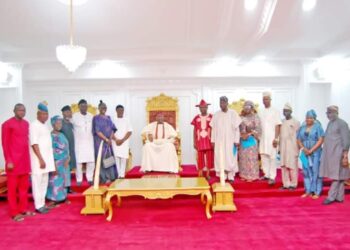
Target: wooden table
(159, 188)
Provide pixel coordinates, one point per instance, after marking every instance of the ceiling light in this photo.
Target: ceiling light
(250, 4)
(309, 5)
(71, 56)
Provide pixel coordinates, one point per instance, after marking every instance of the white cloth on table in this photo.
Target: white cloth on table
(159, 155)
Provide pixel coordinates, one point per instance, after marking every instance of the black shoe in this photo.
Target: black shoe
(339, 201)
(90, 183)
(42, 210)
(292, 188)
(283, 188)
(271, 182)
(327, 202)
(70, 191)
(264, 178)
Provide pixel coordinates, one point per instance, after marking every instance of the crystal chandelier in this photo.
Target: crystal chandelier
(71, 56)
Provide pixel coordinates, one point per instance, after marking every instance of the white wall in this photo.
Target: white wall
(182, 80)
(289, 82)
(10, 94)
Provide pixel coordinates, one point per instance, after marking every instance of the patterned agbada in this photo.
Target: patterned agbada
(56, 190)
(202, 140)
(104, 124)
(249, 154)
(15, 145)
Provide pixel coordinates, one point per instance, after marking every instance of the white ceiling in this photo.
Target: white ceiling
(174, 29)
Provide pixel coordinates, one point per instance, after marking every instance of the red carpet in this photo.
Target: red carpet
(260, 223)
(267, 218)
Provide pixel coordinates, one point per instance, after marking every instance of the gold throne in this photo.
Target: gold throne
(238, 106)
(169, 107)
(91, 109)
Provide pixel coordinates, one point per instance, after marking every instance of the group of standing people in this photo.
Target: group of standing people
(225, 141)
(241, 143)
(46, 157)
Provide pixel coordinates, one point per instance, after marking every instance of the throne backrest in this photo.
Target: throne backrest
(238, 106)
(91, 109)
(163, 104)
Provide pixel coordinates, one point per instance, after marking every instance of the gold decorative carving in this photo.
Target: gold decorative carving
(238, 105)
(91, 109)
(94, 201)
(136, 188)
(223, 198)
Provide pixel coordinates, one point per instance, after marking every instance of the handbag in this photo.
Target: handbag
(108, 159)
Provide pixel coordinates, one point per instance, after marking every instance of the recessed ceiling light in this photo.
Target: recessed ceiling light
(75, 2)
(309, 5)
(250, 4)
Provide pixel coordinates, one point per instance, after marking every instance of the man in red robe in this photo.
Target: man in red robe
(15, 144)
(201, 139)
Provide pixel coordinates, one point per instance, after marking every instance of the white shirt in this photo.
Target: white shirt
(123, 127)
(40, 134)
(83, 137)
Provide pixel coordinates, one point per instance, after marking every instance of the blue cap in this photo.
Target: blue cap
(42, 106)
(54, 119)
(311, 113)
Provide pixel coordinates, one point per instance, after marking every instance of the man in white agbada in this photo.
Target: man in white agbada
(121, 144)
(41, 155)
(270, 123)
(225, 135)
(159, 152)
(84, 143)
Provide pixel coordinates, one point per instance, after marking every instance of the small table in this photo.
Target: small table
(159, 188)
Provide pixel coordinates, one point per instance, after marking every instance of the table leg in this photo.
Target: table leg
(119, 201)
(209, 203)
(109, 207)
(203, 198)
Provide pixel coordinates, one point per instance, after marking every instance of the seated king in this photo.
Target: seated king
(159, 152)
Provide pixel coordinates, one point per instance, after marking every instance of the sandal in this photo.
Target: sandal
(18, 218)
(305, 195)
(28, 213)
(52, 205)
